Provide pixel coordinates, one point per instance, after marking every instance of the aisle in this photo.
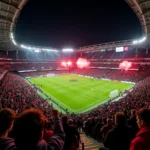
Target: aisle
(89, 143)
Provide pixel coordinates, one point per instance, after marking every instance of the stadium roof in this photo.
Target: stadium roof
(10, 10)
(142, 10)
(9, 13)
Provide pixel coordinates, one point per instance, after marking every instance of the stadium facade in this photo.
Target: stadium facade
(13, 54)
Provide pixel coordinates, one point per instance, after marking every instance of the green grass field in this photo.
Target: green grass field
(78, 97)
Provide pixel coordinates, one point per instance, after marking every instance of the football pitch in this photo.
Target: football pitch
(81, 95)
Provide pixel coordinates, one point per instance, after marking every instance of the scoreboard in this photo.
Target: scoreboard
(122, 49)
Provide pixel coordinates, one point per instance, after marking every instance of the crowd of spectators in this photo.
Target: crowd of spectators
(32, 130)
(41, 73)
(138, 98)
(26, 131)
(100, 123)
(112, 54)
(116, 74)
(2, 71)
(17, 94)
(33, 66)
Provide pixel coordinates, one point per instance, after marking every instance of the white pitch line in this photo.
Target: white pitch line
(88, 106)
(58, 100)
(88, 97)
(94, 102)
(96, 88)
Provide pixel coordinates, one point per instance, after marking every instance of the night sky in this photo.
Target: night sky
(69, 23)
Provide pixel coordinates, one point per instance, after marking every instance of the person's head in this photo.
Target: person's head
(64, 119)
(70, 122)
(7, 117)
(28, 128)
(133, 112)
(109, 121)
(143, 118)
(120, 118)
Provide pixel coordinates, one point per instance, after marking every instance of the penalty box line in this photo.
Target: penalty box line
(91, 105)
(94, 102)
(96, 88)
(93, 98)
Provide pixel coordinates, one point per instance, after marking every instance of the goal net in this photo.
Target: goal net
(114, 93)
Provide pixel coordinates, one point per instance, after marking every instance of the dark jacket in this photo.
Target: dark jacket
(142, 140)
(105, 130)
(119, 138)
(7, 143)
(132, 123)
(71, 135)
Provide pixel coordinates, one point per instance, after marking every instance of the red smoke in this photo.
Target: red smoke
(82, 63)
(125, 65)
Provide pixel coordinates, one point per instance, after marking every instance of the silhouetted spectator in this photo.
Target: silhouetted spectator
(7, 117)
(120, 136)
(48, 132)
(132, 122)
(106, 128)
(28, 130)
(72, 136)
(70, 122)
(142, 139)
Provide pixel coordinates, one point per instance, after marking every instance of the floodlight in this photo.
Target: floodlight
(139, 41)
(37, 51)
(50, 50)
(135, 42)
(11, 35)
(29, 48)
(23, 46)
(67, 50)
(142, 40)
(14, 42)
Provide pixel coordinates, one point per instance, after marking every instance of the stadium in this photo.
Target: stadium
(88, 84)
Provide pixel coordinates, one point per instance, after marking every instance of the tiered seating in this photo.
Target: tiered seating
(12, 54)
(130, 54)
(21, 54)
(118, 55)
(108, 55)
(2, 70)
(41, 56)
(17, 94)
(41, 73)
(112, 54)
(137, 98)
(141, 53)
(32, 55)
(122, 75)
(3, 54)
(115, 74)
(33, 66)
